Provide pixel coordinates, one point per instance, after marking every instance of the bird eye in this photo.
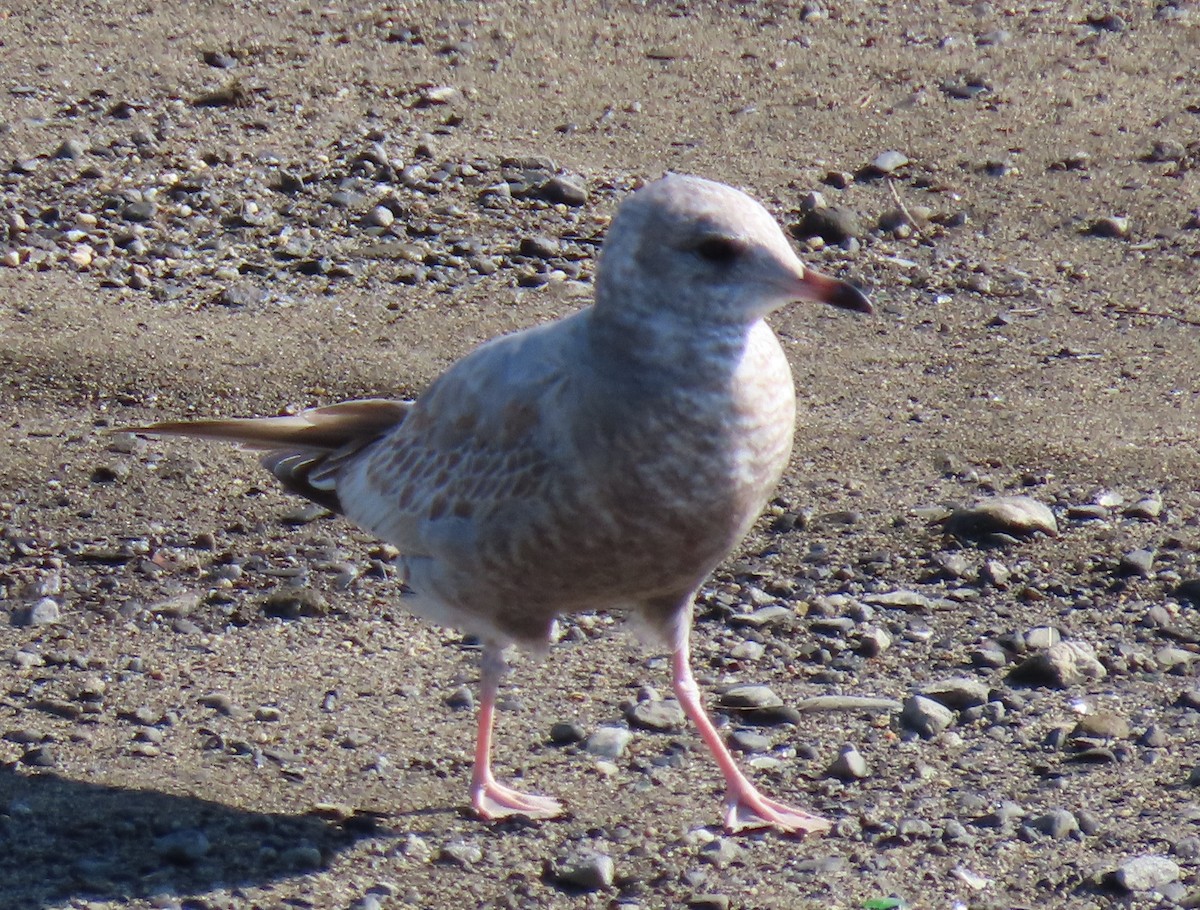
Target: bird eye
(718, 250)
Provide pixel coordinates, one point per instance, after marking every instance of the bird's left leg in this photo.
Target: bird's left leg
(745, 807)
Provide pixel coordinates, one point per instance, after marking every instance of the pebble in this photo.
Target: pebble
(1139, 563)
(865, 703)
(849, 765)
(1019, 516)
(833, 224)
(1148, 872)
(460, 852)
(608, 742)
(70, 149)
(565, 190)
(1148, 508)
(1057, 823)
(749, 741)
(588, 870)
(886, 163)
(925, 716)
(659, 716)
(749, 697)
(1064, 664)
(720, 852)
(42, 612)
(1103, 724)
(187, 845)
(957, 693)
(708, 901)
(564, 733)
(1114, 227)
(907, 601)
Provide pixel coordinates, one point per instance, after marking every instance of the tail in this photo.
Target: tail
(303, 450)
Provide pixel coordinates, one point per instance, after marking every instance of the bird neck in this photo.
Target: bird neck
(661, 345)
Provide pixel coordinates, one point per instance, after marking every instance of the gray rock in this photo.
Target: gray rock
(749, 741)
(1018, 516)
(1148, 508)
(835, 224)
(70, 149)
(42, 612)
(821, 703)
(957, 693)
(925, 716)
(1114, 227)
(566, 190)
(589, 870)
(187, 845)
(460, 852)
(849, 765)
(608, 742)
(1057, 823)
(708, 902)
(1102, 724)
(1139, 563)
(907, 601)
(750, 697)
(1147, 872)
(720, 852)
(886, 163)
(660, 716)
(566, 732)
(1067, 663)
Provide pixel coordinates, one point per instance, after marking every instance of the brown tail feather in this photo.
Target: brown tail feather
(296, 446)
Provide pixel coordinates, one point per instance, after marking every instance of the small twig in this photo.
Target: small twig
(1133, 311)
(904, 208)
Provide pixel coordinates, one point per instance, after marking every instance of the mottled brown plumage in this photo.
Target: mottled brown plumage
(609, 460)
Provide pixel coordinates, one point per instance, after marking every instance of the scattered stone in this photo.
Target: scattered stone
(868, 704)
(42, 612)
(241, 295)
(925, 716)
(588, 870)
(1064, 664)
(1114, 227)
(849, 765)
(460, 852)
(566, 190)
(1148, 508)
(70, 149)
(749, 741)
(1018, 516)
(720, 852)
(907, 601)
(1137, 563)
(834, 224)
(608, 742)
(1103, 724)
(750, 697)
(564, 733)
(957, 693)
(659, 716)
(42, 756)
(1145, 873)
(886, 163)
(1057, 823)
(294, 603)
(185, 846)
(708, 902)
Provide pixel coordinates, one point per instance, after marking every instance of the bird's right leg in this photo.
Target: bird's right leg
(489, 798)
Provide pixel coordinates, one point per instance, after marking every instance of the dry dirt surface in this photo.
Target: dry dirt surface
(210, 698)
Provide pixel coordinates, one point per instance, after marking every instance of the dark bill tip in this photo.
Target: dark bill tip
(820, 288)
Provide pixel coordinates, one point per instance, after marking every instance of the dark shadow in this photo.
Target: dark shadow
(62, 839)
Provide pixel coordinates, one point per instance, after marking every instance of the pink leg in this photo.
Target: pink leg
(745, 807)
(489, 799)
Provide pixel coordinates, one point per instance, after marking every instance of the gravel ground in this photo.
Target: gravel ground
(969, 621)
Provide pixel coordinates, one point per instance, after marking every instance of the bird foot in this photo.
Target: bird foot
(493, 800)
(750, 810)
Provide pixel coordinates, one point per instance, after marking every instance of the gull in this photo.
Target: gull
(608, 460)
